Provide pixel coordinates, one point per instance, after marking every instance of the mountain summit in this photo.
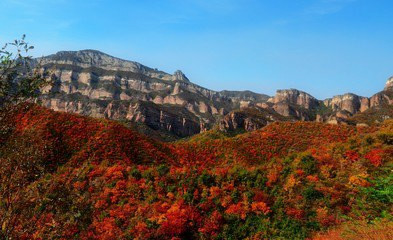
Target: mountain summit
(389, 84)
(96, 59)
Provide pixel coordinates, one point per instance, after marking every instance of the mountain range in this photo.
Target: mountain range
(170, 106)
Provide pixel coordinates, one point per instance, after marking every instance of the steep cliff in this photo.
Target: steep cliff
(250, 119)
(381, 107)
(348, 102)
(389, 84)
(92, 83)
(295, 103)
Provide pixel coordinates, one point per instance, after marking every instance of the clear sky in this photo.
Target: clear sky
(324, 47)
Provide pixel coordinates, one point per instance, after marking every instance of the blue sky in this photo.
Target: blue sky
(324, 47)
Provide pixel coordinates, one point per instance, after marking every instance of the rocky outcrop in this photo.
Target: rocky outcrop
(389, 84)
(385, 97)
(152, 115)
(179, 76)
(249, 96)
(239, 120)
(294, 103)
(295, 97)
(348, 102)
(249, 119)
(97, 59)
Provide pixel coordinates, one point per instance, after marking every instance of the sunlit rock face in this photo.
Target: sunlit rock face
(389, 84)
(96, 84)
(296, 97)
(348, 102)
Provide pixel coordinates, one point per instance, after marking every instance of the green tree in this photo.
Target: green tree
(20, 78)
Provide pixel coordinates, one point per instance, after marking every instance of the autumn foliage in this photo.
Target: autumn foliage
(99, 179)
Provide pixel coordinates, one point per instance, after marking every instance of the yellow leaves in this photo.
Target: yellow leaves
(170, 195)
(325, 171)
(291, 182)
(158, 219)
(359, 180)
(322, 213)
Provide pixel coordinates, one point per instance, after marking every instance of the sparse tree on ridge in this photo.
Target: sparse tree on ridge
(20, 80)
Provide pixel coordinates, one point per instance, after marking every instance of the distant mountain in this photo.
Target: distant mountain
(96, 84)
(93, 83)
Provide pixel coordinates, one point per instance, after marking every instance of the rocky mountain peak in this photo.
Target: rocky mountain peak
(294, 96)
(93, 58)
(293, 92)
(349, 102)
(87, 56)
(180, 76)
(389, 84)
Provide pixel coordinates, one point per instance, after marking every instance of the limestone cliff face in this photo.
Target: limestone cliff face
(152, 115)
(382, 98)
(93, 83)
(362, 109)
(239, 120)
(389, 84)
(338, 109)
(249, 119)
(296, 97)
(294, 103)
(93, 58)
(348, 102)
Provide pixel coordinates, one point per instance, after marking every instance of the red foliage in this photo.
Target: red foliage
(88, 138)
(295, 213)
(311, 178)
(299, 172)
(237, 209)
(133, 185)
(179, 219)
(278, 139)
(375, 157)
(260, 208)
(107, 229)
(352, 156)
(212, 225)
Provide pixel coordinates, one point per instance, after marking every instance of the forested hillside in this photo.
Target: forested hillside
(65, 176)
